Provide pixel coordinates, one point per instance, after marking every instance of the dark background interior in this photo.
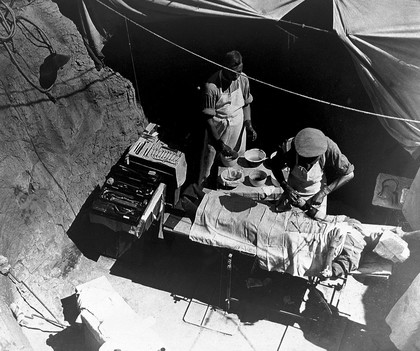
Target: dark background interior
(303, 60)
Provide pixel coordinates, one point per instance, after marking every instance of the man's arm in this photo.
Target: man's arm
(248, 98)
(326, 190)
(338, 183)
(247, 122)
(247, 113)
(343, 172)
(278, 163)
(209, 99)
(215, 138)
(211, 128)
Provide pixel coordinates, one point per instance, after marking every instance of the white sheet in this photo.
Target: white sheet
(285, 242)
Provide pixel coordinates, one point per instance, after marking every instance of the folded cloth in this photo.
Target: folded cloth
(392, 247)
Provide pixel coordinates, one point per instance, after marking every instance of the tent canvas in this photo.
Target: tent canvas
(383, 38)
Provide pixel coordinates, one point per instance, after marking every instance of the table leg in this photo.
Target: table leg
(229, 281)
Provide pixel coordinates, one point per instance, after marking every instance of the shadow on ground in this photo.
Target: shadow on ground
(72, 338)
(188, 270)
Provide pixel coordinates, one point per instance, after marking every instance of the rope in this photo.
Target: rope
(258, 80)
(10, 28)
(18, 282)
(45, 42)
(304, 26)
(132, 60)
(287, 32)
(11, 31)
(48, 170)
(44, 91)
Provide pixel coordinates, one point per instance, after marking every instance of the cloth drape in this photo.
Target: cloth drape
(383, 38)
(288, 242)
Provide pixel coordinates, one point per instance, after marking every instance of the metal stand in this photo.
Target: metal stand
(211, 315)
(229, 281)
(311, 286)
(225, 322)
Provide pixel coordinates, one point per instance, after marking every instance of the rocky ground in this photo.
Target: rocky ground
(58, 143)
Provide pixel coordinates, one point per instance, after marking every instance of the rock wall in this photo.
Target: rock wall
(56, 145)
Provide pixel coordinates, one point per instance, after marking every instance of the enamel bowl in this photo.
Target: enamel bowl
(232, 177)
(255, 156)
(258, 177)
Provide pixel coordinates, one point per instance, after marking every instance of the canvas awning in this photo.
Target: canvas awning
(156, 9)
(383, 38)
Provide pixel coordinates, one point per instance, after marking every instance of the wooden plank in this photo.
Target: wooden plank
(176, 224)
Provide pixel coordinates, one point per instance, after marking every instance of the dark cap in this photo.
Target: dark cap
(310, 142)
(232, 59)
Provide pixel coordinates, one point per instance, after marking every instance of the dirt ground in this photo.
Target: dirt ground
(175, 280)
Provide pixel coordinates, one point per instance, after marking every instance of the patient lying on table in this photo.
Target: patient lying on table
(289, 242)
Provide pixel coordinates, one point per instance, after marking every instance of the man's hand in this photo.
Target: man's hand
(317, 199)
(294, 197)
(296, 200)
(225, 150)
(250, 130)
(283, 204)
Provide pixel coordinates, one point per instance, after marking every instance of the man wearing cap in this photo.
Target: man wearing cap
(312, 159)
(227, 114)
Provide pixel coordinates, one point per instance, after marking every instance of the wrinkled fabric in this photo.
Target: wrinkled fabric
(100, 18)
(383, 38)
(296, 244)
(158, 9)
(228, 220)
(350, 256)
(288, 242)
(411, 206)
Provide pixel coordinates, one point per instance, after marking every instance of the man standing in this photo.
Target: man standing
(312, 159)
(227, 113)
